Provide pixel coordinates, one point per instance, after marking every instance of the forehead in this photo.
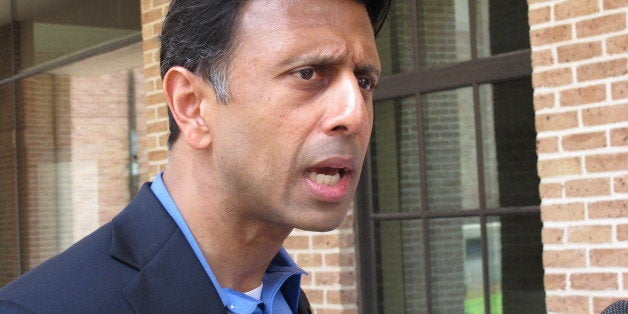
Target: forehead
(283, 27)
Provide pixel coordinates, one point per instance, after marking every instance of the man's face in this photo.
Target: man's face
(290, 143)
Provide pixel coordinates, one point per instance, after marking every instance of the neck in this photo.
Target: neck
(237, 247)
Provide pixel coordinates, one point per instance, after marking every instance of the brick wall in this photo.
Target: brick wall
(579, 56)
(329, 258)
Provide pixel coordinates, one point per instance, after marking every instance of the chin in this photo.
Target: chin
(324, 221)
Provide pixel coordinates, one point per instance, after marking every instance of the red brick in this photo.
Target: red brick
(345, 296)
(556, 121)
(340, 259)
(617, 44)
(547, 145)
(325, 241)
(553, 235)
(594, 281)
(608, 162)
(584, 141)
(150, 44)
(562, 212)
(579, 51)
(551, 190)
(543, 101)
(620, 184)
(590, 234)
(155, 99)
(614, 4)
(158, 3)
(622, 235)
(605, 115)
(309, 259)
(555, 281)
(158, 155)
(601, 25)
(330, 278)
(559, 167)
(552, 78)
(602, 70)
(574, 8)
(567, 304)
(156, 127)
(609, 257)
(297, 242)
(583, 95)
(315, 296)
(152, 16)
(608, 209)
(540, 15)
(542, 58)
(564, 258)
(619, 90)
(588, 187)
(550, 35)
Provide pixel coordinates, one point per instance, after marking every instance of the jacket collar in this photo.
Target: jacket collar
(170, 277)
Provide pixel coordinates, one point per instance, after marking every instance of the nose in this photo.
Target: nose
(349, 112)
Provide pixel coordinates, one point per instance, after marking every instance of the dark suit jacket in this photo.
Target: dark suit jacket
(139, 262)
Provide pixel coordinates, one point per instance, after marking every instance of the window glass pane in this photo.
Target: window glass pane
(6, 39)
(444, 36)
(9, 240)
(456, 265)
(515, 265)
(509, 139)
(401, 279)
(395, 156)
(450, 150)
(75, 150)
(394, 44)
(502, 26)
(48, 29)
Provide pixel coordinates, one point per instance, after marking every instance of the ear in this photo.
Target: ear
(186, 93)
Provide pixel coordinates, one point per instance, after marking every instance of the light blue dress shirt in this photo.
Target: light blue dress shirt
(281, 283)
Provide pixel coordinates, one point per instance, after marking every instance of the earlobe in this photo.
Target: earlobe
(185, 94)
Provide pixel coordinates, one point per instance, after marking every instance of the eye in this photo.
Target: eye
(306, 74)
(366, 83)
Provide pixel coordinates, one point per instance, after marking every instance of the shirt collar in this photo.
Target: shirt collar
(282, 275)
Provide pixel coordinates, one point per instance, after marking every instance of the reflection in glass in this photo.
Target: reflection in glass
(515, 265)
(456, 265)
(48, 29)
(74, 146)
(9, 239)
(450, 150)
(401, 280)
(6, 39)
(443, 30)
(394, 44)
(502, 26)
(395, 156)
(510, 173)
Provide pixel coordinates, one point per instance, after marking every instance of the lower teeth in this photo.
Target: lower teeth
(324, 179)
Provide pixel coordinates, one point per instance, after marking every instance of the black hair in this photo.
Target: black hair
(198, 35)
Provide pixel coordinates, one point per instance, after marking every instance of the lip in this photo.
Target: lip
(338, 191)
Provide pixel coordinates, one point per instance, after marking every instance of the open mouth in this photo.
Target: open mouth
(326, 175)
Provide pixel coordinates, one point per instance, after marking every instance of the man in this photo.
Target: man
(270, 105)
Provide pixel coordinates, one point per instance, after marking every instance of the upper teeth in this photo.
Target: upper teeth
(325, 179)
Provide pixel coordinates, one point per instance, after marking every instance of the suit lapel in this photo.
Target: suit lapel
(170, 278)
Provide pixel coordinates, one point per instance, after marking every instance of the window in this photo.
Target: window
(70, 82)
(449, 207)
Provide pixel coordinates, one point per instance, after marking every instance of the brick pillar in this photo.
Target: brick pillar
(579, 56)
(329, 257)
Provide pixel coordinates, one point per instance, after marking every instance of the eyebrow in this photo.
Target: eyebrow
(323, 57)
